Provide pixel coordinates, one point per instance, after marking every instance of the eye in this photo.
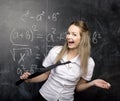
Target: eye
(67, 33)
(74, 34)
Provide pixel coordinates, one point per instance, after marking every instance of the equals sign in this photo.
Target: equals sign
(37, 56)
(38, 36)
(31, 17)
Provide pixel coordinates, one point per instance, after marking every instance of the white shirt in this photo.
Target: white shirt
(63, 79)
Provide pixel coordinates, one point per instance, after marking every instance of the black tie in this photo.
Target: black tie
(41, 71)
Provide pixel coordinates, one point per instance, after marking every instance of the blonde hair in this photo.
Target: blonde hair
(84, 46)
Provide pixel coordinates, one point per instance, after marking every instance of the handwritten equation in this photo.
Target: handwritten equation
(97, 34)
(35, 36)
(95, 37)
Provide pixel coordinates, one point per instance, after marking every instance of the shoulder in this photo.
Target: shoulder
(91, 62)
(56, 49)
(50, 58)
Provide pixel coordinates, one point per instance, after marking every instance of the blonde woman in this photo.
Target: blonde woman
(64, 79)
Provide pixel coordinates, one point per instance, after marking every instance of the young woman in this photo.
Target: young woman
(64, 79)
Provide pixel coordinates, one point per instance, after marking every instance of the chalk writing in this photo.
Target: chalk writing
(27, 16)
(17, 37)
(53, 17)
(95, 37)
(22, 69)
(22, 39)
(22, 53)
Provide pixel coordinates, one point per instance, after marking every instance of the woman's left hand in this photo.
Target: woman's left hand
(101, 83)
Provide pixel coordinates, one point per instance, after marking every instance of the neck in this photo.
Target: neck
(72, 53)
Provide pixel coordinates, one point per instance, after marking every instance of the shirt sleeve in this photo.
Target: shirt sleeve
(91, 65)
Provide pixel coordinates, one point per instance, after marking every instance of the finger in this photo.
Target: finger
(107, 85)
(24, 76)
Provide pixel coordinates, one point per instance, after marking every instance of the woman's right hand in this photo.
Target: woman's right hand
(25, 75)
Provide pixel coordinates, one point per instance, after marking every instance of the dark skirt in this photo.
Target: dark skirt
(41, 98)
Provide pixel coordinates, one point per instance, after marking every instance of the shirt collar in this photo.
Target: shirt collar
(75, 60)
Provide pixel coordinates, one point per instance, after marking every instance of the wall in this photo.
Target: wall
(29, 28)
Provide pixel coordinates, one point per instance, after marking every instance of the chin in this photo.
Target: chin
(70, 47)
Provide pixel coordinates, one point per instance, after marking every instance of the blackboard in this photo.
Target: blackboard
(30, 28)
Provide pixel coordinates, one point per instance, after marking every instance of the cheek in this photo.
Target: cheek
(78, 40)
(66, 37)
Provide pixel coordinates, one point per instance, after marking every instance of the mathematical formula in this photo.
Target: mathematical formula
(23, 38)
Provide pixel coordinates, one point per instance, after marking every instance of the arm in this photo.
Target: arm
(83, 84)
(36, 79)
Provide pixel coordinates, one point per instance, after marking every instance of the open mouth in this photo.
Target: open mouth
(70, 42)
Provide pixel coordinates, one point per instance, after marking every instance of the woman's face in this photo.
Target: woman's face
(73, 37)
